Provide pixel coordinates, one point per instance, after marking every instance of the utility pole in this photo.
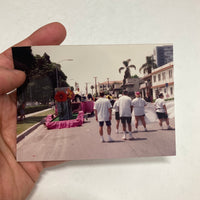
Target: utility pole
(86, 88)
(95, 80)
(108, 84)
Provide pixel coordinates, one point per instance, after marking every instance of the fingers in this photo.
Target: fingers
(50, 34)
(8, 80)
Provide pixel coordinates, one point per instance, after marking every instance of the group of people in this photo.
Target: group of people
(124, 106)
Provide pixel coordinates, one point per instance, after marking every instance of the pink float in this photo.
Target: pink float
(65, 123)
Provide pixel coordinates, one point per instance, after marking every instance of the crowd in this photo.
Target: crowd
(124, 106)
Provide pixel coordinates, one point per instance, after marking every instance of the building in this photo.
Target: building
(163, 81)
(159, 79)
(112, 87)
(163, 54)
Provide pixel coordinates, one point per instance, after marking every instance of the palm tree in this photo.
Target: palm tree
(92, 88)
(149, 65)
(127, 73)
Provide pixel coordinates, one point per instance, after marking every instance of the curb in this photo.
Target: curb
(22, 135)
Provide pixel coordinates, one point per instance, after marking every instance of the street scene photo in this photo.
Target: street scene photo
(83, 102)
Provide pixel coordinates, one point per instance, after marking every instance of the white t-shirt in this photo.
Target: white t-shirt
(138, 106)
(102, 106)
(159, 103)
(115, 106)
(125, 104)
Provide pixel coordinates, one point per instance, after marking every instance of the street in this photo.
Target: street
(84, 143)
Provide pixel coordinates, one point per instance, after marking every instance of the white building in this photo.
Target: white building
(163, 81)
(113, 87)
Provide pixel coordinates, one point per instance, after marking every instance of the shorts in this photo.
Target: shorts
(126, 119)
(162, 115)
(108, 123)
(117, 116)
(139, 115)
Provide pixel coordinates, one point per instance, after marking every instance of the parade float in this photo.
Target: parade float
(68, 113)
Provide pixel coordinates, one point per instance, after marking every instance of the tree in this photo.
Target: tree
(149, 65)
(135, 76)
(127, 73)
(92, 88)
(42, 75)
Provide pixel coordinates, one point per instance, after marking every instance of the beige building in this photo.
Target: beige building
(163, 81)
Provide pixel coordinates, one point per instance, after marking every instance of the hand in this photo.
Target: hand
(18, 178)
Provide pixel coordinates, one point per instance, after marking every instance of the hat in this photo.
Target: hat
(137, 93)
(120, 95)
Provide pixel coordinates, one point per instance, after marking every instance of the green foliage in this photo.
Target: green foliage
(135, 76)
(33, 109)
(30, 121)
(42, 75)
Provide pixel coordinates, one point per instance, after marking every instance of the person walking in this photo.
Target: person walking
(125, 110)
(117, 117)
(161, 111)
(138, 107)
(103, 113)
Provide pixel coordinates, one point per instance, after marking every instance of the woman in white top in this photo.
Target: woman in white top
(138, 107)
(161, 111)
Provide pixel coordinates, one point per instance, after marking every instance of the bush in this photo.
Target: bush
(33, 109)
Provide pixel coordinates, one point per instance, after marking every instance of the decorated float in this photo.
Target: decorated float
(67, 112)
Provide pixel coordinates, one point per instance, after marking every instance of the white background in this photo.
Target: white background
(123, 22)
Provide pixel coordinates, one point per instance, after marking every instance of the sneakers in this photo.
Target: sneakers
(110, 139)
(170, 128)
(124, 137)
(145, 130)
(102, 140)
(130, 137)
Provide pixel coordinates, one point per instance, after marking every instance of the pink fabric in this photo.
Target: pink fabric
(87, 106)
(66, 123)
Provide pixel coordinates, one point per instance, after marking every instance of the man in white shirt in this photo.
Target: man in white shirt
(138, 107)
(103, 113)
(161, 111)
(125, 110)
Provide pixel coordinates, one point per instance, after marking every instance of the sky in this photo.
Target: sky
(81, 63)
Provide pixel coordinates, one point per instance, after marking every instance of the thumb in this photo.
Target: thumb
(10, 79)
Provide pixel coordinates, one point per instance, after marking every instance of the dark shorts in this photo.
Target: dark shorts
(139, 115)
(125, 119)
(108, 123)
(117, 116)
(162, 115)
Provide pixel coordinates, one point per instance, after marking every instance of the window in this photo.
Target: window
(171, 90)
(154, 79)
(163, 76)
(170, 73)
(159, 77)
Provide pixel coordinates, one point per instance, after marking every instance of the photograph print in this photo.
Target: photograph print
(83, 102)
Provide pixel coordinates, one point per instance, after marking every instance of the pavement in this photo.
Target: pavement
(83, 142)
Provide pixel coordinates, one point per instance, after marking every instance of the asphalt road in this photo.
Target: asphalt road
(84, 143)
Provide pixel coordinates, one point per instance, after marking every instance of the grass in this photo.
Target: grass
(30, 121)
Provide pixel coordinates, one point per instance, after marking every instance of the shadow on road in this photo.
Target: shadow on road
(115, 141)
(137, 139)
